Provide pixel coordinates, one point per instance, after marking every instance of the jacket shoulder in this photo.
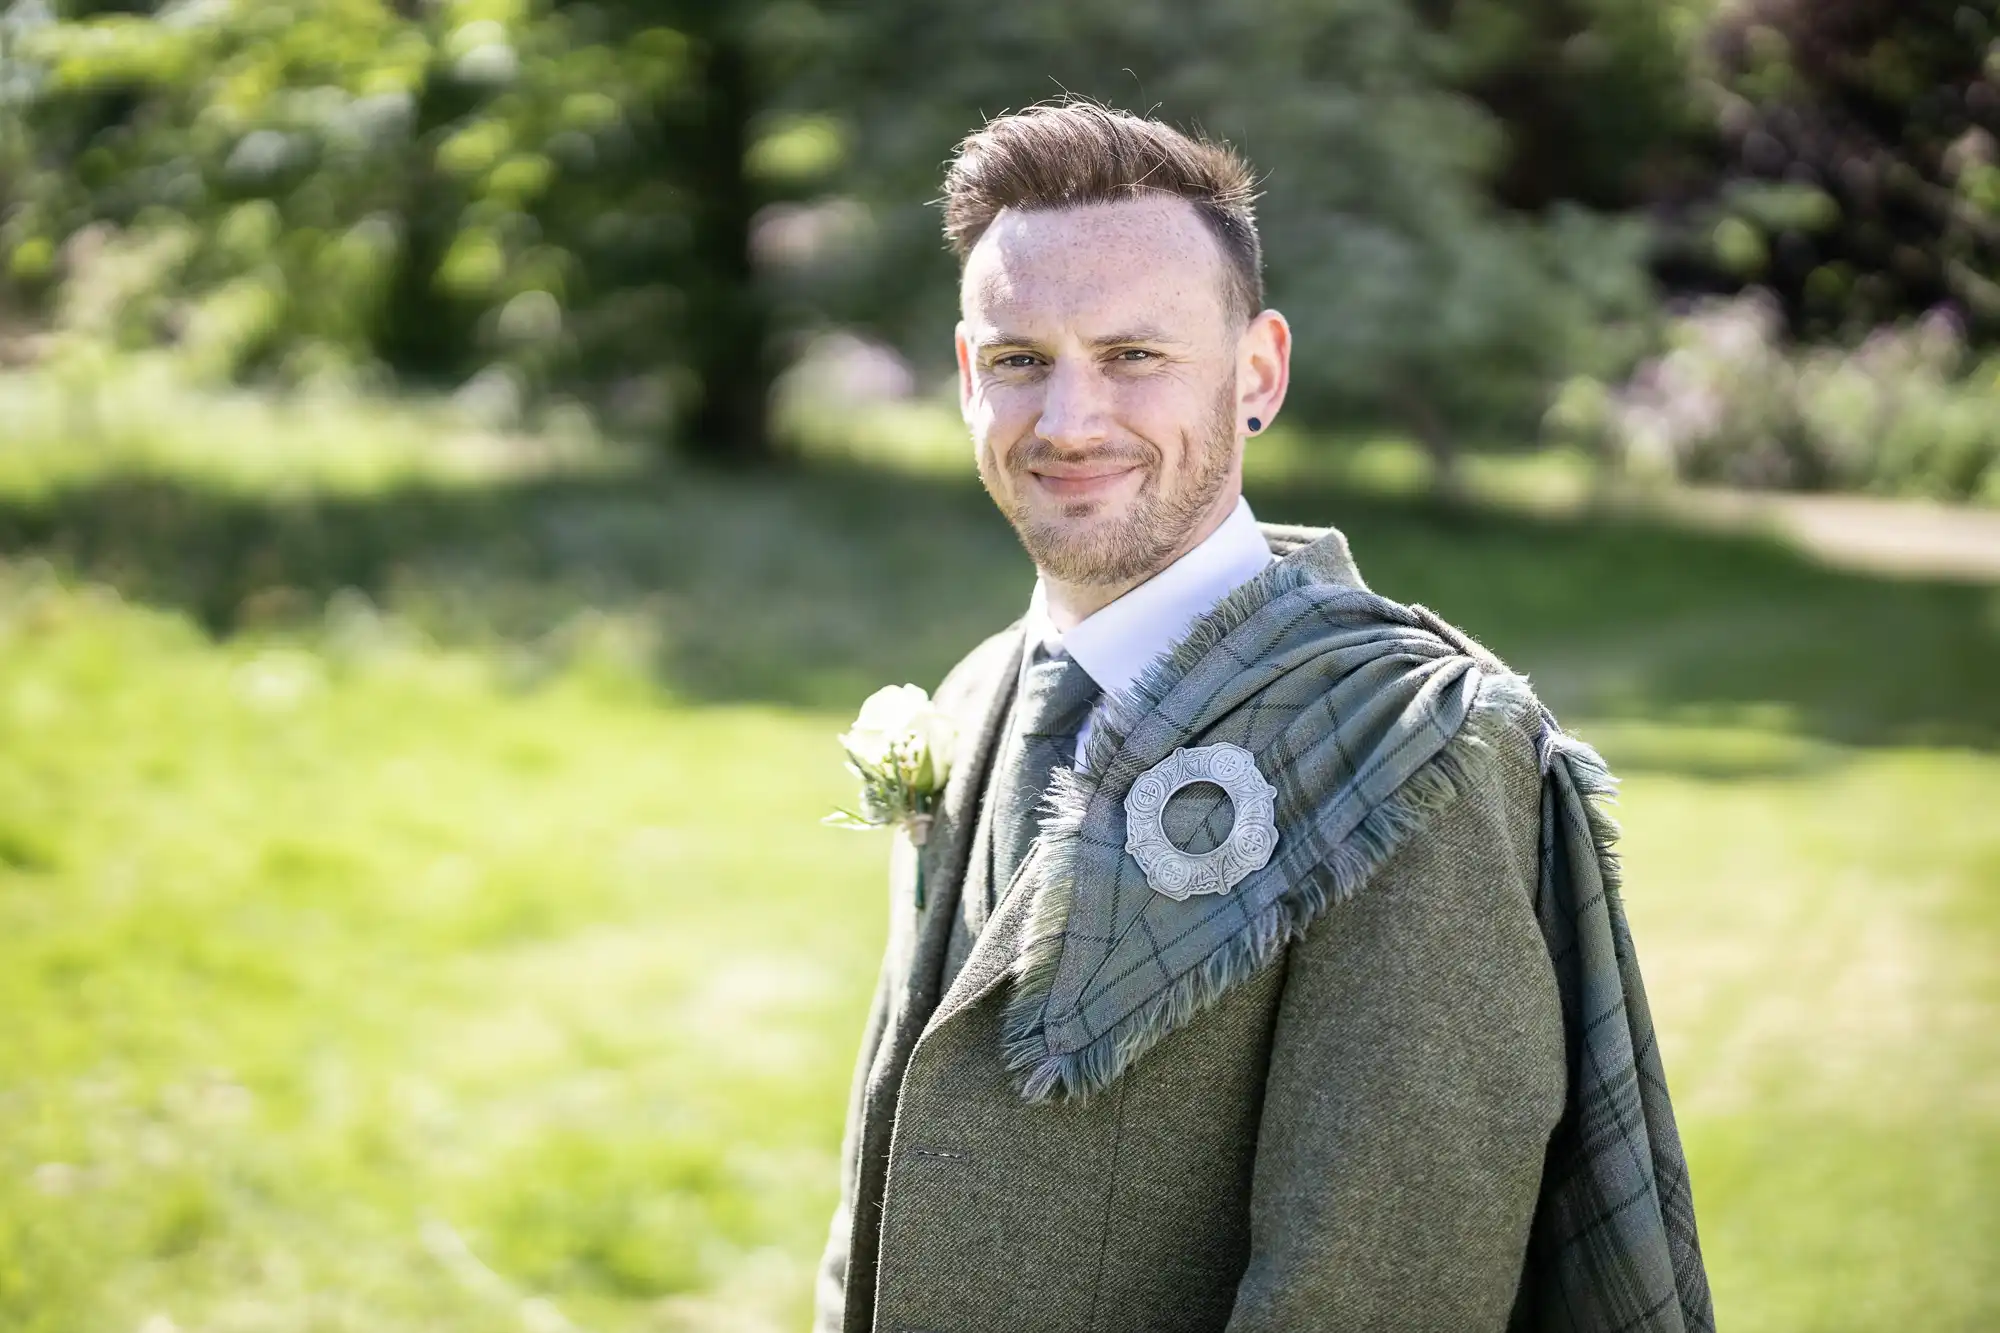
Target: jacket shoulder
(1456, 873)
(1507, 721)
(1484, 787)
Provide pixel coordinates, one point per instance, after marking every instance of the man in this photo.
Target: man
(1347, 1035)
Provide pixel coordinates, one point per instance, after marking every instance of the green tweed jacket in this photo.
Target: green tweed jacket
(1398, 1119)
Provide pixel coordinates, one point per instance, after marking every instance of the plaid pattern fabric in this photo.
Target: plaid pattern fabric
(1614, 1244)
(1340, 713)
(1366, 715)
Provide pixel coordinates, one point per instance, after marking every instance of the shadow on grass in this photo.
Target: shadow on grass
(814, 585)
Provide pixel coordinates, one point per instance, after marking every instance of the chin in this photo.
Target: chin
(1100, 549)
(1086, 514)
(1084, 525)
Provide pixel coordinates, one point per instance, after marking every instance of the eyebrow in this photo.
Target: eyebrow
(1142, 334)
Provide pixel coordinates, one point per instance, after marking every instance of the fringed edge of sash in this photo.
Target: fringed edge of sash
(1598, 787)
(1499, 701)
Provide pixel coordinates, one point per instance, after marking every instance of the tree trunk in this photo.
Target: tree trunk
(730, 326)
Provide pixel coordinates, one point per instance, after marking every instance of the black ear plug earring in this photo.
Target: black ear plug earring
(1255, 425)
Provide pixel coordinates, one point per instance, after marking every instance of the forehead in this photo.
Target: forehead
(1151, 258)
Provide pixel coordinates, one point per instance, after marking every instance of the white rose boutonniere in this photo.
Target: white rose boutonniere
(900, 746)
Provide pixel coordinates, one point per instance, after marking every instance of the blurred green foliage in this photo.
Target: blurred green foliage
(1851, 162)
(653, 206)
(559, 194)
(1592, 95)
(1911, 411)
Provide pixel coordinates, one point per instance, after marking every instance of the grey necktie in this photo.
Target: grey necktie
(1056, 695)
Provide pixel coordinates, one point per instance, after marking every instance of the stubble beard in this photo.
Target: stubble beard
(1153, 529)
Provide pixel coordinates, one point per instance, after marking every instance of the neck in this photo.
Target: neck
(1069, 602)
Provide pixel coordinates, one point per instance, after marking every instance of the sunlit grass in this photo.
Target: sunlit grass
(413, 914)
(1819, 927)
(63, 428)
(313, 961)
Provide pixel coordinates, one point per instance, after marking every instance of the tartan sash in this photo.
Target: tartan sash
(1367, 715)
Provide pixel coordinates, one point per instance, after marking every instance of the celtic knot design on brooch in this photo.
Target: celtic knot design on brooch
(1252, 838)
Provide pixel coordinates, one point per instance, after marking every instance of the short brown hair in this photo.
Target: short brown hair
(1074, 152)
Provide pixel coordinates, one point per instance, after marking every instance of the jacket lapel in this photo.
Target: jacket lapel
(993, 952)
(979, 709)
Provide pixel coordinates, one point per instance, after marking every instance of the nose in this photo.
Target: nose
(1076, 409)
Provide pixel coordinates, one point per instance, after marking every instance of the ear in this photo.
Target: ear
(1263, 369)
(962, 346)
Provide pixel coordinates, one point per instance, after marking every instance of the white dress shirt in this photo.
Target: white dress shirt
(1116, 643)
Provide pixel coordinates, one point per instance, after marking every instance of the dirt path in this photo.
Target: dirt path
(1861, 532)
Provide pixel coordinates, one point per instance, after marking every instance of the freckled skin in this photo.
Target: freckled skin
(1108, 388)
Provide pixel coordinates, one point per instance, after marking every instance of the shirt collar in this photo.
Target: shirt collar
(1116, 643)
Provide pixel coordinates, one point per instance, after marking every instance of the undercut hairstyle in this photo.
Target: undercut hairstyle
(1071, 153)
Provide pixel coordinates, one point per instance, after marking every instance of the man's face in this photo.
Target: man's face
(1098, 373)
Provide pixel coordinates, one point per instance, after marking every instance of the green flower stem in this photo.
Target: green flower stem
(919, 830)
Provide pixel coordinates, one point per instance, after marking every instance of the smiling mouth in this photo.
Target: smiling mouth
(1082, 485)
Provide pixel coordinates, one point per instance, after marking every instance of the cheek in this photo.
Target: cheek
(1163, 410)
(1001, 414)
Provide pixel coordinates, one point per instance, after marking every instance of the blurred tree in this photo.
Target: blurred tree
(660, 219)
(646, 138)
(246, 152)
(1414, 299)
(1854, 162)
(559, 193)
(1591, 96)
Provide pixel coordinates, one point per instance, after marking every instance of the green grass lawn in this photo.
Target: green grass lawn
(413, 914)
(328, 969)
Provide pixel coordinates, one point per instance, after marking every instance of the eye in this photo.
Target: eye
(1016, 360)
(1135, 354)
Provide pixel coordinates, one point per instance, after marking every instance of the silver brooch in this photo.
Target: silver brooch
(1254, 836)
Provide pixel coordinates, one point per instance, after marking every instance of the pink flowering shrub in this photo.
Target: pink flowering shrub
(1909, 411)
